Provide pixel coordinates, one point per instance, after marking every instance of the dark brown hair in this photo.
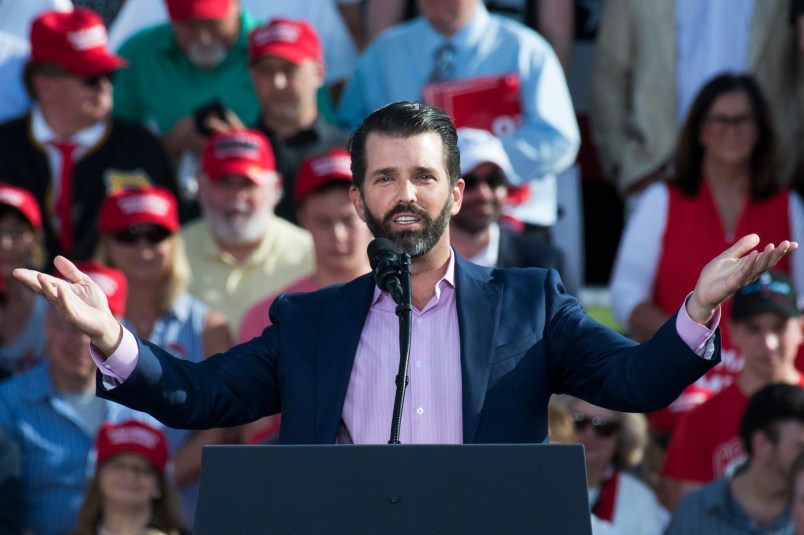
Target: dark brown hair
(404, 120)
(765, 157)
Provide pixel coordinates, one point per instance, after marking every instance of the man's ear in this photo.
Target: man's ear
(357, 201)
(457, 196)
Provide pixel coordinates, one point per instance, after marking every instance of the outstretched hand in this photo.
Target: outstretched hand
(78, 299)
(736, 267)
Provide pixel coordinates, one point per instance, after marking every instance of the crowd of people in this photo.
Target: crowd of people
(192, 157)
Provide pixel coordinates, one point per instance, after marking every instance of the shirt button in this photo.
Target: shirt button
(418, 364)
(419, 320)
(420, 411)
(107, 366)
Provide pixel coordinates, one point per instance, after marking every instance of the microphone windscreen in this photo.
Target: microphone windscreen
(378, 248)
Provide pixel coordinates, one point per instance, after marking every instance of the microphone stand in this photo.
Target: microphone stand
(404, 311)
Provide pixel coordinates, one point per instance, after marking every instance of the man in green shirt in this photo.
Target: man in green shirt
(199, 57)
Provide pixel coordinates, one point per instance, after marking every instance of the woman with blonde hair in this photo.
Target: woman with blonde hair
(130, 493)
(138, 234)
(614, 444)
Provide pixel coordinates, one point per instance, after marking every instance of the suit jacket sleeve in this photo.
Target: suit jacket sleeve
(227, 389)
(597, 364)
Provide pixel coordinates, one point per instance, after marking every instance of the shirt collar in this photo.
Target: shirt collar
(44, 135)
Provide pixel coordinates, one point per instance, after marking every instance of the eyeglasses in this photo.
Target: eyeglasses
(603, 427)
(721, 123)
(494, 179)
(152, 235)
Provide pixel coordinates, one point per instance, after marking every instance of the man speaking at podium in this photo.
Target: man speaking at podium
(488, 347)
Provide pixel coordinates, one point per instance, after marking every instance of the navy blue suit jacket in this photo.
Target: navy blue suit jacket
(522, 338)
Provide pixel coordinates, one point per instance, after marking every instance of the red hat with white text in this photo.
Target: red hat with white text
(318, 171)
(293, 40)
(133, 437)
(239, 152)
(155, 205)
(74, 40)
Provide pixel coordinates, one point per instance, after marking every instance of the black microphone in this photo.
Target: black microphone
(384, 262)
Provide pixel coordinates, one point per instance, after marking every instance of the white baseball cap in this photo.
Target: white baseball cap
(479, 146)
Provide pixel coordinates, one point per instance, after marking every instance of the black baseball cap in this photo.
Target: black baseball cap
(771, 292)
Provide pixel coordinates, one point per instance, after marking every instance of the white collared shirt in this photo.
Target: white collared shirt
(45, 136)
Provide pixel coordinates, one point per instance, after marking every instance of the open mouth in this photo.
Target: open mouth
(406, 220)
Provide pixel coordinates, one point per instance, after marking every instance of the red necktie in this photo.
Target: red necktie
(64, 204)
(607, 500)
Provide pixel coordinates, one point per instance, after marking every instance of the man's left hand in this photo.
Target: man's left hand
(736, 267)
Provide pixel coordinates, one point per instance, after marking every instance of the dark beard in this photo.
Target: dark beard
(474, 225)
(413, 242)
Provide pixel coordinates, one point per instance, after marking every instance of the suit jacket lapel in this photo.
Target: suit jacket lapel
(479, 304)
(339, 337)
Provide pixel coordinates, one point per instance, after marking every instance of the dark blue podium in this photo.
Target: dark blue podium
(393, 489)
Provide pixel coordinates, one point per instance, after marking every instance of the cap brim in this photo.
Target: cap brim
(97, 64)
(122, 223)
(281, 50)
(253, 172)
(765, 306)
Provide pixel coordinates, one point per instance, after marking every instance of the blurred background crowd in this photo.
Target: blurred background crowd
(190, 156)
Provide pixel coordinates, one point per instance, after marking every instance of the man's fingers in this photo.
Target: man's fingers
(28, 277)
(68, 270)
(49, 286)
(234, 120)
(741, 247)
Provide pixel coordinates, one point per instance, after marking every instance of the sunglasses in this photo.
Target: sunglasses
(94, 81)
(602, 427)
(152, 235)
(494, 180)
(87, 81)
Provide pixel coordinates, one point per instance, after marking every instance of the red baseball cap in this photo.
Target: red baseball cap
(112, 282)
(24, 201)
(293, 40)
(128, 207)
(198, 9)
(75, 40)
(239, 152)
(133, 437)
(318, 171)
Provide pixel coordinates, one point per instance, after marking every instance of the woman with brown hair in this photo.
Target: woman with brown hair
(130, 493)
(724, 186)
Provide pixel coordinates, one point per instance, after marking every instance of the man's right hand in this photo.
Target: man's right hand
(79, 300)
(182, 137)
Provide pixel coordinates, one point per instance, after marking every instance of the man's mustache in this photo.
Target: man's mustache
(410, 208)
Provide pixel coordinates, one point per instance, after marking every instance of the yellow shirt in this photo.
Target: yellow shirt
(283, 256)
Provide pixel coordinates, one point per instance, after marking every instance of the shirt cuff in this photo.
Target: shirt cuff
(698, 337)
(121, 363)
